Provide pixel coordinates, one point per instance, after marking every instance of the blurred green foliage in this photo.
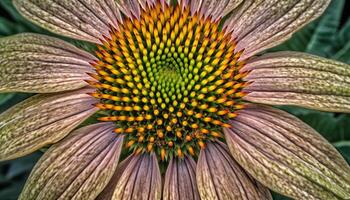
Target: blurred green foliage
(326, 37)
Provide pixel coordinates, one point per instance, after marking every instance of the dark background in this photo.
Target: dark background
(346, 12)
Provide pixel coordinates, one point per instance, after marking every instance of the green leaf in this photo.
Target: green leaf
(5, 97)
(321, 41)
(12, 191)
(342, 44)
(279, 197)
(344, 149)
(5, 26)
(343, 35)
(7, 5)
(344, 53)
(9, 99)
(22, 166)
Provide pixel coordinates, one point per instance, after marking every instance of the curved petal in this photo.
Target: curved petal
(290, 78)
(40, 64)
(260, 24)
(78, 167)
(108, 191)
(131, 8)
(220, 177)
(87, 20)
(214, 9)
(140, 179)
(168, 2)
(42, 120)
(180, 180)
(297, 161)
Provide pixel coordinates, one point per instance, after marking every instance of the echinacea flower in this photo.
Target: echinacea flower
(178, 87)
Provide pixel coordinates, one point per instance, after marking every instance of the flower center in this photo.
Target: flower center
(169, 80)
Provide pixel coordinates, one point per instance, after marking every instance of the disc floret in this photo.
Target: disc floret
(169, 80)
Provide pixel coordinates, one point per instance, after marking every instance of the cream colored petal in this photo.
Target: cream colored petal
(258, 25)
(40, 64)
(180, 180)
(220, 177)
(85, 20)
(140, 179)
(209, 8)
(42, 120)
(286, 155)
(78, 167)
(290, 78)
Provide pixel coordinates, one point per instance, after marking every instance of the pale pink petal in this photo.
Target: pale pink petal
(180, 180)
(41, 64)
(79, 167)
(140, 179)
(151, 3)
(220, 177)
(286, 155)
(42, 120)
(87, 20)
(130, 8)
(108, 191)
(290, 78)
(258, 25)
(214, 9)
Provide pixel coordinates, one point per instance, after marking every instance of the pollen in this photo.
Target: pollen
(169, 80)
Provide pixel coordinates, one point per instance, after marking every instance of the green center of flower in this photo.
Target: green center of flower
(169, 80)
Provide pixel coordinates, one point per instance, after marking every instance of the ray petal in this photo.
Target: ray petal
(287, 155)
(42, 120)
(180, 180)
(214, 9)
(87, 20)
(258, 25)
(78, 167)
(220, 177)
(41, 64)
(108, 191)
(131, 8)
(140, 179)
(291, 78)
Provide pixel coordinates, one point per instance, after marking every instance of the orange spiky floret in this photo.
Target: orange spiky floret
(169, 80)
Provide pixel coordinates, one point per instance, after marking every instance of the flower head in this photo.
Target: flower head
(170, 80)
(173, 85)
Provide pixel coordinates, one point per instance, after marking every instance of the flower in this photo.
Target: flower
(178, 88)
